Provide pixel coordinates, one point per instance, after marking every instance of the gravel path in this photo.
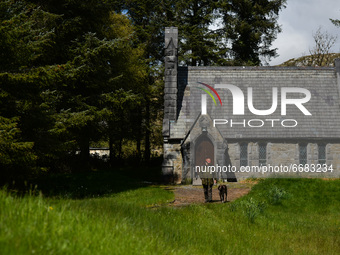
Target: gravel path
(188, 194)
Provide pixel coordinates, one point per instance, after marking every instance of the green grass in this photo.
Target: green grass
(291, 216)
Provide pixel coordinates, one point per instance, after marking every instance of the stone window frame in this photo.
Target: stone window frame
(262, 160)
(302, 150)
(324, 159)
(244, 160)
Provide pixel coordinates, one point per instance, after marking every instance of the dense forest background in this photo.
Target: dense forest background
(76, 74)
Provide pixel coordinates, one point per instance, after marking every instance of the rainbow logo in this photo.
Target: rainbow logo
(209, 93)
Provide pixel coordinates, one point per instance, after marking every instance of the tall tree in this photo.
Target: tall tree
(60, 60)
(124, 102)
(198, 42)
(102, 60)
(148, 21)
(233, 32)
(193, 17)
(250, 26)
(26, 40)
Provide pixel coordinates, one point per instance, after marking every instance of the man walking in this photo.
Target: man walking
(207, 182)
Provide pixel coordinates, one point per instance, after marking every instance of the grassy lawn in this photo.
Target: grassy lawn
(286, 216)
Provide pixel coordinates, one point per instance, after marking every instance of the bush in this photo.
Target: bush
(17, 161)
(276, 195)
(253, 208)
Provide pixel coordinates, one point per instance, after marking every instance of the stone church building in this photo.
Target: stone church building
(249, 117)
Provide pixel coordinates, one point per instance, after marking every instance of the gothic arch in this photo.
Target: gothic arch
(204, 147)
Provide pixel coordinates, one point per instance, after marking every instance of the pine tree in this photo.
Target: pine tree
(243, 33)
(198, 42)
(250, 26)
(147, 17)
(59, 64)
(26, 39)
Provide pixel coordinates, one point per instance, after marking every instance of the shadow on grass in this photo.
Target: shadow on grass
(94, 183)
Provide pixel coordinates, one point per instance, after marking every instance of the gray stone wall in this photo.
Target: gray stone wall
(333, 157)
(282, 153)
(172, 162)
(286, 154)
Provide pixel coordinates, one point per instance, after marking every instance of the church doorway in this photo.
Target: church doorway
(204, 148)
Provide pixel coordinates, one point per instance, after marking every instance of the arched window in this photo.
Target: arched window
(322, 153)
(262, 154)
(243, 154)
(303, 154)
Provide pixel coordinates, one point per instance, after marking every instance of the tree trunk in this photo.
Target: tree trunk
(147, 131)
(139, 136)
(112, 154)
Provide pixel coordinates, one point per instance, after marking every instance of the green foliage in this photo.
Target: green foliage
(198, 43)
(336, 22)
(243, 36)
(16, 157)
(252, 208)
(60, 64)
(276, 195)
(138, 220)
(27, 35)
(251, 26)
(78, 72)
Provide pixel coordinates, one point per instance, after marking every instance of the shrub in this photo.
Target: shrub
(276, 195)
(253, 208)
(17, 161)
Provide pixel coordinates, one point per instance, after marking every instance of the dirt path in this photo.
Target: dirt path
(188, 194)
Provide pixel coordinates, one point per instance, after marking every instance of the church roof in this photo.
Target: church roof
(324, 104)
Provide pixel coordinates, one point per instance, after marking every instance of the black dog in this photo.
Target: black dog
(223, 190)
